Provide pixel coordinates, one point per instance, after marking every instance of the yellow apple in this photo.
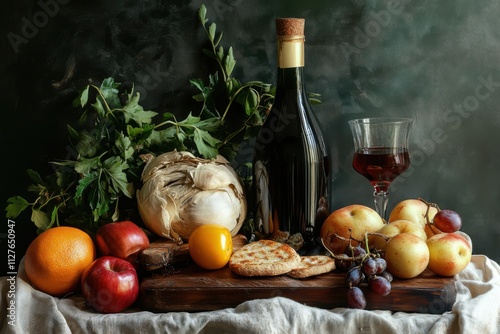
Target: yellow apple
(354, 220)
(407, 255)
(450, 253)
(413, 210)
(396, 227)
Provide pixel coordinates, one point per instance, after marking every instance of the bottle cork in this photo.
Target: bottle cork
(290, 26)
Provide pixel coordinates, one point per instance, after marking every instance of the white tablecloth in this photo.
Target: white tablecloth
(476, 310)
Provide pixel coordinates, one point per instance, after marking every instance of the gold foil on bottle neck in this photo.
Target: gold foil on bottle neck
(290, 51)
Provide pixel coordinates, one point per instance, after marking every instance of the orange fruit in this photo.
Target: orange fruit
(55, 260)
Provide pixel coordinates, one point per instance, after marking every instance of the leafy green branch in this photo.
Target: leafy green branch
(254, 98)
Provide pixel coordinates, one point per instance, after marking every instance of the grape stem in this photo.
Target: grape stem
(429, 222)
(379, 235)
(341, 256)
(354, 258)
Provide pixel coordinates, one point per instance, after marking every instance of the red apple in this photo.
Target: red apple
(110, 284)
(450, 253)
(124, 240)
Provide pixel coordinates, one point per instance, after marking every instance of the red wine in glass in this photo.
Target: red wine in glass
(380, 153)
(381, 165)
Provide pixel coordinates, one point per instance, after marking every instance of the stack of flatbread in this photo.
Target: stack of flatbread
(272, 258)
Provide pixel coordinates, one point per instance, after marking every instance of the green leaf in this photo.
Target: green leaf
(206, 91)
(37, 188)
(261, 85)
(35, 177)
(249, 99)
(213, 79)
(133, 111)
(84, 183)
(202, 12)
(131, 93)
(211, 124)
(109, 85)
(124, 146)
(16, 205)
(181, 137)
(99, 108)
(232, 85)
(84, 166)
(72, 132)
(198, 83)
(211, 31)
(66, 163)
(109, 89)
(84, 97)
(114, 168)
(205, 143)
(220, 53)
(116, 213)
(140, 132)
(229, 86)
(189, 120)
(229, 62)
(199, 97)
(54, 217)
(87, 145)
(99, 202)
(40, 219)
(159, 137)
(168, 115)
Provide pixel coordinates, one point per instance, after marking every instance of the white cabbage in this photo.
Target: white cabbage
(181, 192)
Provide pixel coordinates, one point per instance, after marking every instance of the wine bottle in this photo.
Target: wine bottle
(291, 162)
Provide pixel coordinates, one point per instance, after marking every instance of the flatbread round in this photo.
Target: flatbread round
(313, 265)
(264, 258)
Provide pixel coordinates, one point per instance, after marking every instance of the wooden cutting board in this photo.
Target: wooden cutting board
(183, 286)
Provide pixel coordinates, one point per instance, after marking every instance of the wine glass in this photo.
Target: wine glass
(380, 153)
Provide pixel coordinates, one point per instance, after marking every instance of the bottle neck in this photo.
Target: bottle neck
(290, 51)
(290, 62)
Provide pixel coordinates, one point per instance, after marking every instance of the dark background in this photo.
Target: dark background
(436, 62)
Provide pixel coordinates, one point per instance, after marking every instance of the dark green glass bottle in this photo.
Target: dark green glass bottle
(291, 161)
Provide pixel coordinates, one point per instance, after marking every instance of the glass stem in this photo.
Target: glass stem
(381, 199)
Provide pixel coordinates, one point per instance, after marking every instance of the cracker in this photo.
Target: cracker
(264, 258)
(313, 265)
